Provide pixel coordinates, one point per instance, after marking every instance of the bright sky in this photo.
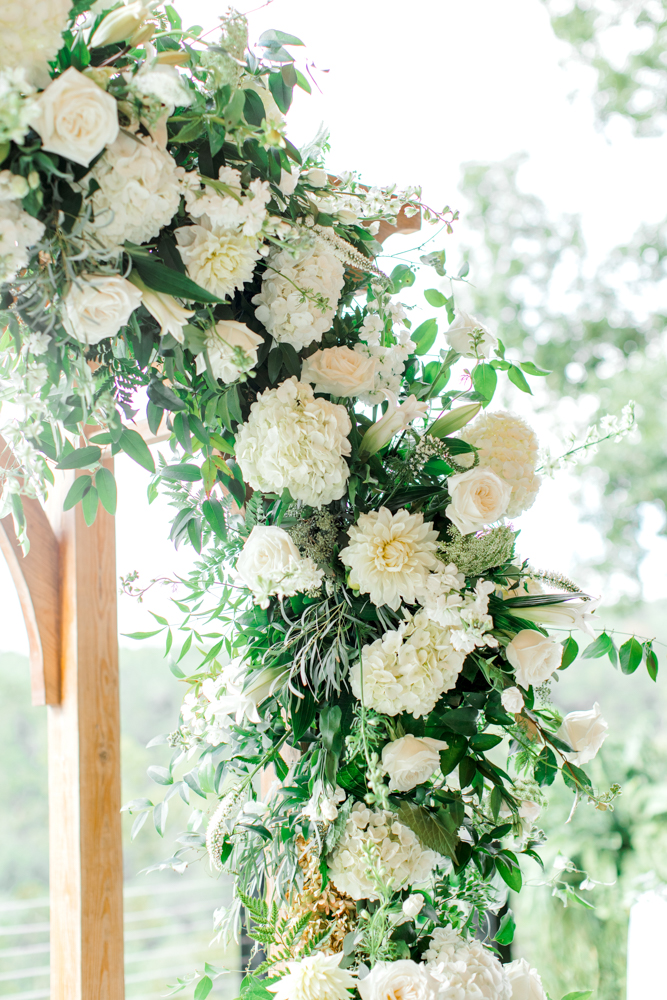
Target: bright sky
(412, 92)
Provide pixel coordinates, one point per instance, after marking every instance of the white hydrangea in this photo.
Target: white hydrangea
(464, 613)
(408, 669)
(375, 839)
(139, 191)
(296, 442)
(30, 35)
(18, 232)
(216, 259)
(466, 969)
(389, 361)
(300, 294)
(509, 447)
(240, 211)
(163, 83)
(15, 104)
(390, 555)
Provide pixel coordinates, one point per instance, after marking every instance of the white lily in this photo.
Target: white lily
(569, 614)
(396, 419)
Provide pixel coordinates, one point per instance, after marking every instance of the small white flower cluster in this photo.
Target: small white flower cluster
(220, 703)
(509, 447)
(19, 231)
(15, 105)
(465, 969)
(296, 442)
(237, 210)
(465, 613)
(323, 808)
(270, 565)
(389, 361)
(300, 293)
(139, 192)
(376, 844)
(408, 669)
(609, 427)
(349, 201)
(30, 34)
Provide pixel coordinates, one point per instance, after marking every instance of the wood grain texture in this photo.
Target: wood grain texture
(84, 771)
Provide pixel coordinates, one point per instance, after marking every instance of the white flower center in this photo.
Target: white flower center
(392, 556)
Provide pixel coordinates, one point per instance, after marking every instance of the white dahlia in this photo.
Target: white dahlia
(139, 191)
(18, 232)
(30, 34)
(466, 969)
(296, 442)
(390, 555)
(217, 260)
(408, 669)
(390, 844)
(507, 446)
(317, 977)
(300, 294)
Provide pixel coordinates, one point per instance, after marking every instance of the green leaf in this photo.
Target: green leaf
(484, 741)
(508, 868)
(282, 93)
(273, 38)
(106, 488)
(424, 336)
(467, 771)
(132, 443)
(431, 832)
(457, 747)
(435, 298)
(185, 472)
(460, 720)
(275, 364)
(578, 995)
(76, 491)
(532, 369)
(89, 504)
(651, 662)
(546, 767)
(506, 930)
(162, 398)
(516, 376)
(570, 652)
(484, 379)
(575, 778)
(330, 720)
(165, 279)
(253, 108)
(80, 458)
(600, 647)
(630, 655)
(214, 513)
(142, 635)
(402, 277)
(161, 775)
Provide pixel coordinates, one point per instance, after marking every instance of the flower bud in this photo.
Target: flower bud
(316, 177)
(33, 180)
(396, 419)
(143, 33)
(173, 57)
(454, 420)
(120, 24)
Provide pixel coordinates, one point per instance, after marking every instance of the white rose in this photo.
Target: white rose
(534, 656)
(470, 337)
(75, 118)
(525, 981)
(479, 497)
(339, 371)
(512, 700)
(232, 349)
(411, 760)
(270, 564)
(413, 905)
(316, 177)
(402, 980)
(585, 732)
(97, 306)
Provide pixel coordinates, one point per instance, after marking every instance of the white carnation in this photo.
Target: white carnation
(509, 447)
(270, 565)
(390, 555)
(30, 34)
(390, 844)
(18, 232)
(217, 260)
(15, 104)
(317, 977)
(232, 350)
(296, 442)
(300, 294)
(408, 669)
(139, 191)
(466, 969)
(242, 211)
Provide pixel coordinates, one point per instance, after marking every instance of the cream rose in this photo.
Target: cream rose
(75, 118)
(232, 349)
(470, 337)
(512, 700)
(585, 732)
(411, 760)
(271, 565)
(402, 980)
(97, 306)
(525, 981)
(479, 497)
(534, 657)
(413, 905)
(339, 371)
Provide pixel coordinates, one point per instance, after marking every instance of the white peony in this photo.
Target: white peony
(139, 191)
(525, 981)
(411, 760)
(232, 350)
(339, 371)
(317, 977)
(15, 104)
(534, 656)
(509, 447)
(296, 442)
(300, 294)
(465, 970)
(270, 565)
(75, 118)
(585, 732)
(97, 306)
(30, 35)
(239, 211)
(512, 700)
(390, 844)
(171, 316)
(18, 232)
(470, 337)
(390, 555)
(479, 497)
(408, 669)
(215, 259)
(401, 980)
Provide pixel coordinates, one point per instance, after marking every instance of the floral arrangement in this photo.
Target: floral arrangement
(371, 713)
